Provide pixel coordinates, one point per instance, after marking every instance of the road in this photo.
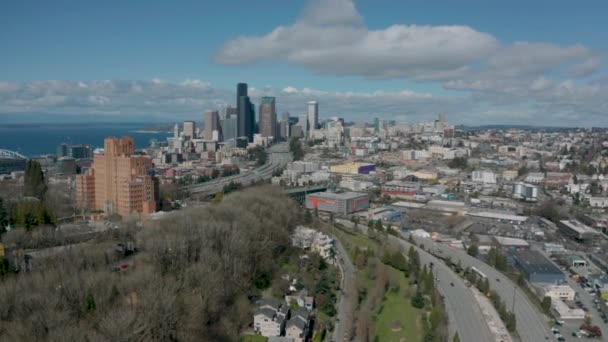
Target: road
(344, 318)
(278, 157)
(464, 314)
(532, 325)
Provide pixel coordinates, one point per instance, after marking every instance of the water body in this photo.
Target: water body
(33, 140)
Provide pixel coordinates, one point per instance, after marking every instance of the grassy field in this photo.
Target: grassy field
(254, 338)
(398, 308)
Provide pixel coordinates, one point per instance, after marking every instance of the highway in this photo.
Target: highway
(532, 325)
(278, 157)
(464, 314)
(344, 319)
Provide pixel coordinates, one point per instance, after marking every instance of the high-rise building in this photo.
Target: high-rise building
(62, 150)
(246, 118)
(189, 129)
(230, 127)
(284, 126)
(176, 131)
(313, 116)
(119, 181)
(80, 151)
(376, 125)
(268, 117)
(303, 122)
(212, 123)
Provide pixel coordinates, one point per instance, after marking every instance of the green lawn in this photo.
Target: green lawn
(254, 338)
(397, 308)
(356, 239)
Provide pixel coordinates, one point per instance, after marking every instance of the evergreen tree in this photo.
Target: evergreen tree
(4, 219)
(418, 300)
(34, 184)
(456, 338)
(379, 226)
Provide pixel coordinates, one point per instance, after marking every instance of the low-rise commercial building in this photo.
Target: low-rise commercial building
(537, 268)
(563, 292)
(353, 168)
(507, 244)
(338, 203)
(525, 192)
(578, 231)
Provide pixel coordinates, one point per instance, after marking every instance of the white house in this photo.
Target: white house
(598, 202)
(297, 327)
(486, 177)
(269, 317)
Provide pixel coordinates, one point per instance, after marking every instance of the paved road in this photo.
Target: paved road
(464, 314)
(532, 325)
(344, 318)
(278, 157)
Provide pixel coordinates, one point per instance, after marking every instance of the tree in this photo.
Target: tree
(546, 304)
(378, 226)
(418, 300)
(456, 338)
(295, 147)
(458, 163)
(4, 219)
(218, 197)
(307, 217)
(33, 182)
(473, 250)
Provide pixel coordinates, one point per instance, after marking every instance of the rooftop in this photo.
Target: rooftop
(506, 241)
(339, 196)
(534, 262)
(578, 227)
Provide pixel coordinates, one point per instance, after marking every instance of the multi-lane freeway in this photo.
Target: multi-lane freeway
(278, 157)
(532, 325)
(464, 314)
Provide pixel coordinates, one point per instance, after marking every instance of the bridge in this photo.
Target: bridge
(6, 154)
(299, 194)
(11, 161)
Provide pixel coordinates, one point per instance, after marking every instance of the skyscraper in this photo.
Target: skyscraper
(268, 117)
(284, 125)
(246, 118)
(118, 181)
(189, 129)
(212, 123)
(313, 116)
(303, 122)
(230, 127)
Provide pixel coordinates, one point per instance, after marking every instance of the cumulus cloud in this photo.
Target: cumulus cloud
(565, 102)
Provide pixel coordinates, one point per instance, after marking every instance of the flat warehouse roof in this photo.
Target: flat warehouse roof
(338, 196)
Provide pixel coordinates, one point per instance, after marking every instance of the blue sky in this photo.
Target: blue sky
(141, 41)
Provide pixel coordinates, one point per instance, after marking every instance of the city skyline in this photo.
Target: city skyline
(402, 61)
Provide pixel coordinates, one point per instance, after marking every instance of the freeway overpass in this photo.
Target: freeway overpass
(278, 157)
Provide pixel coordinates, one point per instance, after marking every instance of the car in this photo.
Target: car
(561, 338)
(559, 322)
(452, 284)
(554, 330)
(498, 279)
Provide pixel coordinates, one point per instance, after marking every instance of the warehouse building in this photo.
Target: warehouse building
(507, 244)
(537, 268)
(338, 203)
(578, 231)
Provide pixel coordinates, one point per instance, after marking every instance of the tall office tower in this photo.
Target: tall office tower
(176, 131)
(376, 125)
(246, 118)
(189, 129)
(284, 125)
(313, 116)
(230, 127)
(212, 123)
(442, 117)
(62, 150)
(241, 90)
(119, 181)
(303, 121)
(268, 117)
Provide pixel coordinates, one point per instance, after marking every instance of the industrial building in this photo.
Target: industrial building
(537, 268)
(507, 244)
(338, 203)
(525, 192)
(353, 168)
(578, 231)
(400, 189)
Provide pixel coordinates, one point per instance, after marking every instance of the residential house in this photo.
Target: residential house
(269, 317)
(298, 326)
(302, 299)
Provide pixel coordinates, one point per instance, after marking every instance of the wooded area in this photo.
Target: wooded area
(193, 279)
